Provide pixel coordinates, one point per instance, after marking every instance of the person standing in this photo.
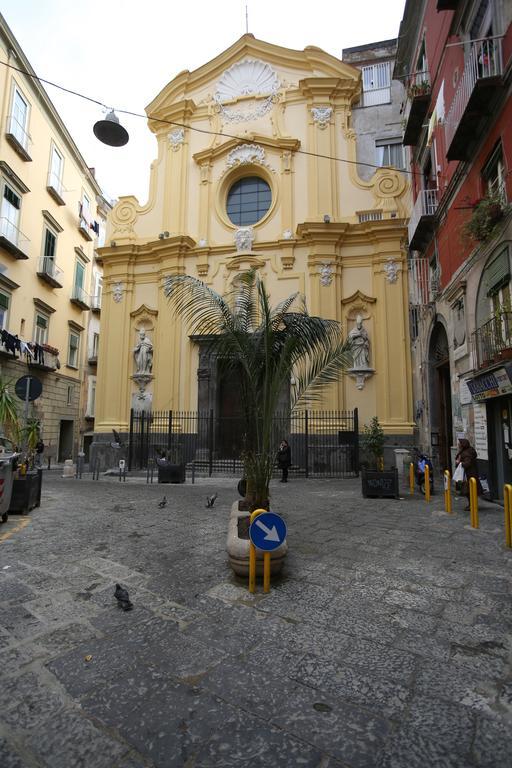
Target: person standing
(467, 456)
(284, 460)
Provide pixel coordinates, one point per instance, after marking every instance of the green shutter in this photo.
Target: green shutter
(4, 301)
(497, 273)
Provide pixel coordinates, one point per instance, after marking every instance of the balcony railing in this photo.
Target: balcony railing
(55, 188)
(18, 137)
(416, 107)
(46, 358)
(424, 282)
(96, 303)
(492, 342)
(482, 73)
(80, 297)
(421, 221)
(12, 239)
(48, 271)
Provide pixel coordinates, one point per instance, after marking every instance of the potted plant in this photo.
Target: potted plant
(171, 467)
(377, 481)
(419, 89)
(266, 348)
(486, 217)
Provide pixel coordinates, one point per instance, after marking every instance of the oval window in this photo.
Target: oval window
(248, 200)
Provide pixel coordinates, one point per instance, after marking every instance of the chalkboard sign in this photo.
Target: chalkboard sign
(380, 484)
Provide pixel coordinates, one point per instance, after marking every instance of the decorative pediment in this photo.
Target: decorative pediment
(247, 261)
(357, 304)
(144, 317)
(234, 148)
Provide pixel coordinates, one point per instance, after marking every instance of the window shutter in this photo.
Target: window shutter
(497, 273)
(4, 301)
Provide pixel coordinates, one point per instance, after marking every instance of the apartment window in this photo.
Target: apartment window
(41, 328)
(376, 84)
(5, 300)
(95, 344)
(56, 169)
(493, 174)
(10, 214)
(98, 288)
(70, 395)
(18, 123)
(49, 248)
(390, 152)
(91, 396)
(73, 348)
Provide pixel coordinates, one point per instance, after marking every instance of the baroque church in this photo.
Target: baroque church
(256, 167)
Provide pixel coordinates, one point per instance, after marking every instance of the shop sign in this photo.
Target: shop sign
(490, 385)
(480, 427)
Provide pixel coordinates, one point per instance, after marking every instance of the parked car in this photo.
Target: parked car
(8, 463)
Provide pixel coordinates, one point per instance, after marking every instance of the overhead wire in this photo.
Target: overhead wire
(176, 124)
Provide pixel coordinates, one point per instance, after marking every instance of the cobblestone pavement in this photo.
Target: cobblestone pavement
(387, 643)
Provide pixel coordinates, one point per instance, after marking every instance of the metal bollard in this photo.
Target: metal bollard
(507, 495)
(426, 480)
(193, 472)
(473, 503)
(447, 492)
(411, 478)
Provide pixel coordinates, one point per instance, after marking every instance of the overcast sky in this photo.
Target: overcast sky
(123, 52)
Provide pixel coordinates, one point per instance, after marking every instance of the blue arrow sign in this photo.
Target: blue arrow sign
(267, 531)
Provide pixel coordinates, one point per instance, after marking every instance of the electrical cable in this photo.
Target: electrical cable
(191, 127)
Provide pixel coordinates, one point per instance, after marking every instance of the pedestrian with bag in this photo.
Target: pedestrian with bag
(284, 460)
(467, 459)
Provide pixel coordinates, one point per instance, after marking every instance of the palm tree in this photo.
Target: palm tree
(9, 419)
(265, 348)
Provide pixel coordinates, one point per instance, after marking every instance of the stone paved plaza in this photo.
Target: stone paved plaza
(387, 642)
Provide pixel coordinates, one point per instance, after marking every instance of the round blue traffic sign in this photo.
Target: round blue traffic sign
(267, 531)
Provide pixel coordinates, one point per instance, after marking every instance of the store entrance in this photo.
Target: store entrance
(500, 422)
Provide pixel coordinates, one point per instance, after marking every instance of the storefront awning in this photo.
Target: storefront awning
(492, 384)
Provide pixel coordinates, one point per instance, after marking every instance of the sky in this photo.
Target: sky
(123, 52)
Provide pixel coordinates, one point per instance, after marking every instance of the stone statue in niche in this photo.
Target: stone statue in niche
(143, 353)
(360, 344)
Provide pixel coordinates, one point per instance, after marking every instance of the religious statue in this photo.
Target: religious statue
(143, 353)
(360, 344)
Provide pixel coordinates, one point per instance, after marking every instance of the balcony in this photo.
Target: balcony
(48, 271)
(474, 98)
(18, 138)
(12, 239)
(416, 108)
(84, 229)
(96, 303)
(492, 342)
(46, 358)
(93, 358)
(80, 298)
(55, 188)
(421, 223)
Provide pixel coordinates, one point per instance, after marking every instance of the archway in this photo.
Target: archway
(440, 397)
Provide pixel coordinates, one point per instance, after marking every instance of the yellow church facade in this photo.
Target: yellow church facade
(256, 167)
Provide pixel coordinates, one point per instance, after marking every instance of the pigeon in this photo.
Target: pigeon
(117, 440)
(210, 501)
(163, 503)
(123, 598)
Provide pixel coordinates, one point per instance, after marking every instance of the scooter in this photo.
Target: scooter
(424, 461)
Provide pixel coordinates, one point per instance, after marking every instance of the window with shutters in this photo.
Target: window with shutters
(5, 300)
(494, 174)
(10, 213)
(73, 348)
(41, 324)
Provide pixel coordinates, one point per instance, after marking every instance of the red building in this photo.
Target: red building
(455, 59)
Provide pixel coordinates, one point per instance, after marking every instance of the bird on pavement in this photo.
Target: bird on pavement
(210, 501)
(123, 598)
(163, 503)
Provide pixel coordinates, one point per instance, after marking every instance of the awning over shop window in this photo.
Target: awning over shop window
(492, 384)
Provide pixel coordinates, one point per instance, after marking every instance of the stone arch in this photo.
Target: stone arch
(439, 390)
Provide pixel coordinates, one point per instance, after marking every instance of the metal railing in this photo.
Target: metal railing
(425, 205)
(54, 182)
(323, 443)
(417, 85)
(96, 301)
(420, 282)
(483, 60)
(492, 342)
(11, 233)
(16, 129)
(47, 266)
(78, 294)
(369, 216)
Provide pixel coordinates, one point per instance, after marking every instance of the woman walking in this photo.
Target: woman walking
(284, 459)
(467, 457)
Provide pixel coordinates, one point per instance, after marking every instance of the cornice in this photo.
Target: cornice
(178, 112)
(212, 153)
(330, 88)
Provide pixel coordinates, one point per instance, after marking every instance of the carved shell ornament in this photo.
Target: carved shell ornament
(247, 154)
(250, 77)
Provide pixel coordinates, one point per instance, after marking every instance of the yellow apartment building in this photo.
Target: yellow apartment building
(49, 275)
(256, 167)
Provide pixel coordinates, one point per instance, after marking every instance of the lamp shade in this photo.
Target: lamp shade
(110, 131)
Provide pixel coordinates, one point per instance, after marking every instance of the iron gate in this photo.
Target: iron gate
(323, 443)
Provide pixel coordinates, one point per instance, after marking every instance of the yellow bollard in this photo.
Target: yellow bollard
(252, 556)
(507, 495)
(266, 571)
(473, 503)
(411, 478)
(447, 492)
(426, 480)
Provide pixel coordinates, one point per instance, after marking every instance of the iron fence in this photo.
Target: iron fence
(323, 443)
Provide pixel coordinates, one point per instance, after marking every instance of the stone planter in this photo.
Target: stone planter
(380, 483)
(26, 492)
(238, 548)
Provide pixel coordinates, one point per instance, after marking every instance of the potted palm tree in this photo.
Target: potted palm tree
(266, 348)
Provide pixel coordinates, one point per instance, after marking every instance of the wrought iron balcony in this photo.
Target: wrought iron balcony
(18, 138)
(416, 107)
(55, 188)
(424, 282)
(96, 303)
(12, 239)
(421, 223)
(80, 298)
(492, 342)
(473, 102)
(48, 271)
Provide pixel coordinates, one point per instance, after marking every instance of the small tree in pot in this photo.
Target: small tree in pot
(377, 481)
(373, 442)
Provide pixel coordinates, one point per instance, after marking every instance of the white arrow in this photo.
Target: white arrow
(271, 534)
